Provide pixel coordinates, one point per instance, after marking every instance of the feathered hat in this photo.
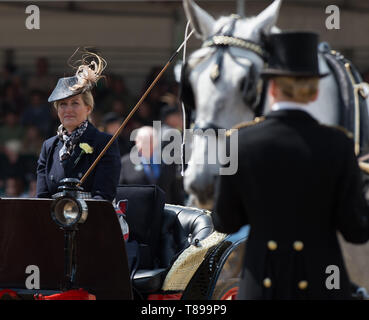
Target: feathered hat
(87, 75)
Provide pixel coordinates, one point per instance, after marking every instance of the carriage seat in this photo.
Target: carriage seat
(161, 230)
(144, 216)
(181, 227)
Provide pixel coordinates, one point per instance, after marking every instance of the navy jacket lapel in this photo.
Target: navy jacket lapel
(53, 173)
(54, 146)
(89, 136)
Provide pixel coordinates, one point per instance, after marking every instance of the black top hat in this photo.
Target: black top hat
(64, 90)
(293, 54)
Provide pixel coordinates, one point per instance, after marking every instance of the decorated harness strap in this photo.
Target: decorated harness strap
(353, 95)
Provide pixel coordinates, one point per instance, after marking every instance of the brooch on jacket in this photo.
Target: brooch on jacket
(86, 148)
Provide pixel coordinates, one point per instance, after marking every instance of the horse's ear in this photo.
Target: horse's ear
(267, 19)
(201, 21)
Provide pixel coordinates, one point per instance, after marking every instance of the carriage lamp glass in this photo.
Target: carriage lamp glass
(67, 212)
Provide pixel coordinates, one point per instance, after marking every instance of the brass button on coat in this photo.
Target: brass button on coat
(298, 245)
(267, 283)
(272, 245)
(302, 284)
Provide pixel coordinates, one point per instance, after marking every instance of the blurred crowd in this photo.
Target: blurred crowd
(27, 119)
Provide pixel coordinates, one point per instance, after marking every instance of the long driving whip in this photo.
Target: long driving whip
(122, 126)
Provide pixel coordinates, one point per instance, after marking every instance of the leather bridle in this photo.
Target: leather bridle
(222, 42)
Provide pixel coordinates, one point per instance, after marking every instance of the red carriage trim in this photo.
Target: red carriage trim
(79, 294)
(231, 294)
(9, 292)
(121, 211)
(171, 296)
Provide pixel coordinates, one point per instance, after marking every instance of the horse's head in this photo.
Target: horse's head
(221, 81)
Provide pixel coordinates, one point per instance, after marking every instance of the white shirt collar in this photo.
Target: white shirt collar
(287, 105)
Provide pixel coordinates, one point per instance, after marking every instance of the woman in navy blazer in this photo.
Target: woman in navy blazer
(77, 144)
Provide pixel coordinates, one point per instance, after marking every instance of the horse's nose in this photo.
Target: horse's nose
(201, 187)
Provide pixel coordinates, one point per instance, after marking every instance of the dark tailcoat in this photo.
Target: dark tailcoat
(297, 180)
(102, 181)
(168, 179)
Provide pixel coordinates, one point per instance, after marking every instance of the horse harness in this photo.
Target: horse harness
(353, 108)
(253, 92)
(352, 91)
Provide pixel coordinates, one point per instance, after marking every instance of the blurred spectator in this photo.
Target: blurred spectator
(171, 123)
(160, 89)
(32, 191)
(151, 170)
(119, 108)
(144, 115)
(42, 80)
(111, 124)
(171, 117)
(116, 91)
(37, 113)
(7, 74)
(13, 165)
(3, 163)
(14, 187)
(11, 129)
(32, 141)
(11, 99)
(19, 88)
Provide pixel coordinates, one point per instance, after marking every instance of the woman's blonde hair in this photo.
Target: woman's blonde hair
(87, 99)
(298, 89)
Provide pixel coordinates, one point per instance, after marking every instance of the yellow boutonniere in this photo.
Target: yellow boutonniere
(86, 148)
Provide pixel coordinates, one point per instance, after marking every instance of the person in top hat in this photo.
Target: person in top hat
(77, 143)
(298, 183)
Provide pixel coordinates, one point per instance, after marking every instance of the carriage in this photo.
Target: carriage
(73, 248)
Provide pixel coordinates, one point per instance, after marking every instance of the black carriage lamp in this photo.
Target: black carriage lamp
(67, 211)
